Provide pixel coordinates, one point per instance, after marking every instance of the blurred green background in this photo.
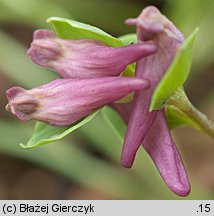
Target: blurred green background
(86, 164)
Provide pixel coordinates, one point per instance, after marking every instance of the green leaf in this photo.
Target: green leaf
(44, 133)
(177, 118)
(67, 29)
(115, 121)
(175, 75)
(128, 38)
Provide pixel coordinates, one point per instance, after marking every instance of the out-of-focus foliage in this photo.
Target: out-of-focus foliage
(90, 157)
(189, 14)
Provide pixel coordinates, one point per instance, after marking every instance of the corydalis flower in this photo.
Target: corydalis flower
(64, 101)
(150, 128)
(84, 58)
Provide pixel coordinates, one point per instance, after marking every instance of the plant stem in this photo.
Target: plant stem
(181, 101)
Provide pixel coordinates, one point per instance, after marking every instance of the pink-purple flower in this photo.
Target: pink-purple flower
(91, 79)
(150, 128)
(65, 101)
(90, 70)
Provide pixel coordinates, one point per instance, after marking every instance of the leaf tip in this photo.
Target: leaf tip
(49, 20)
(196, 30)
(157, 103)
(193, 35)
(52, 19)
(24, 146)
(152, 107)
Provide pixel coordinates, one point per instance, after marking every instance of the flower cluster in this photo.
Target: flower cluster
(90, 71)
(91, 79)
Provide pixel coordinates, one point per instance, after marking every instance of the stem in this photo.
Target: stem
(180, 100)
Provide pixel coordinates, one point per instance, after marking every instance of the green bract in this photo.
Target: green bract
(44, 133)
(175, 75)
(70, 29)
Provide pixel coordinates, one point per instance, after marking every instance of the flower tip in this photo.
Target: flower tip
(149, 48)
(126, 164)
(142, 83)
(151, 27)
(44, 49)
(151, 10)
(181, 190)
(36, 56)
(43, 34)
(127, 160)
(13, 92)
(131, 21)
(21, 104)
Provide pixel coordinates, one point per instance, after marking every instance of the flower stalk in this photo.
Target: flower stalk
(181, 101)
